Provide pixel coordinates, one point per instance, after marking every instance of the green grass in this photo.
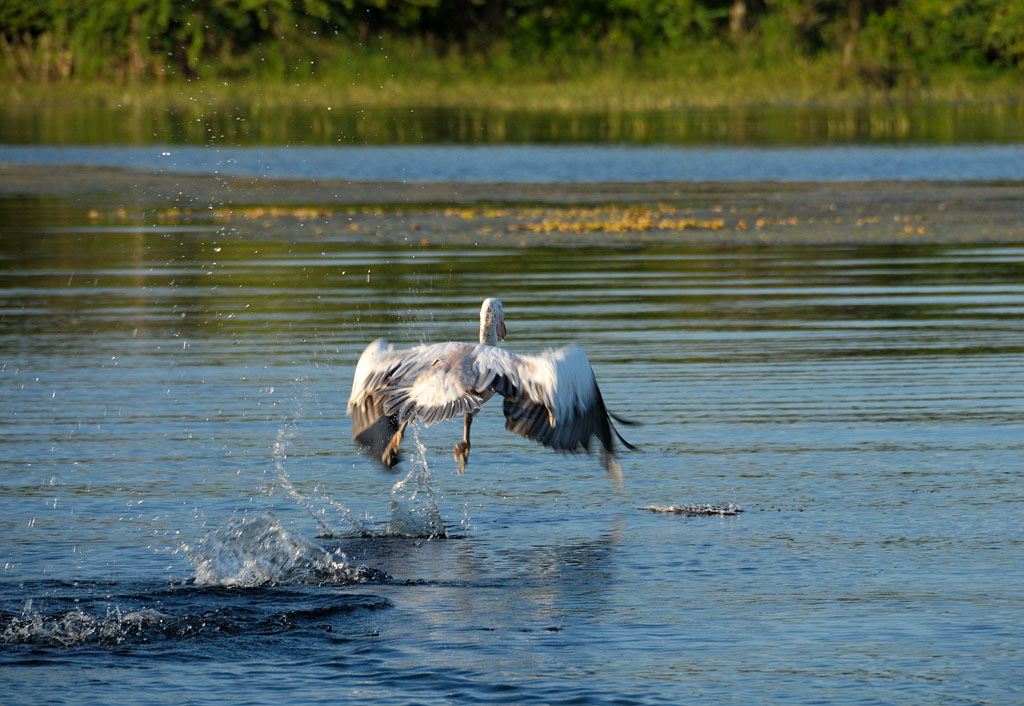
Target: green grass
(409, 75)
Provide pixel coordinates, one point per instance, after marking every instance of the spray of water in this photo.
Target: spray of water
(315, 504)
(77, 627)
(258, 551)
(413, 506)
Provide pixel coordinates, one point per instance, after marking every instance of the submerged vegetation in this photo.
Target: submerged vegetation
(425, 224)
(626, 54)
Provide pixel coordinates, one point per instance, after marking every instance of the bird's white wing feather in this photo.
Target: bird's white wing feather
(379, 367)
(560, 406)
(551, 398)
(560, 380)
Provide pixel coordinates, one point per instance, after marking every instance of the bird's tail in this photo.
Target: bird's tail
(627, 422)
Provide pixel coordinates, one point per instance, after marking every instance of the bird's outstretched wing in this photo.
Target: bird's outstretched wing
(556, 402)
(379, 367)
(551, 398)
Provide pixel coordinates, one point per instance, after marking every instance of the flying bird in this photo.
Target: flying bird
(551, 398)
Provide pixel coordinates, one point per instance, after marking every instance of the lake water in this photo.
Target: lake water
(548, 163)
(184, 517)
(788, 143)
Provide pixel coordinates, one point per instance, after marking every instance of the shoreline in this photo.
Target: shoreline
(529, 214)
(608, 85)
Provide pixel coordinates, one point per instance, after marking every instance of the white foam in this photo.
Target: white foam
(696, 509)
(77, 627)
(257, 551)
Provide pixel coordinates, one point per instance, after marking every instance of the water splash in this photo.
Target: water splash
(258, 551)
(698, 509)
(184, 613)
(316, 503)
(77, 627)
(413, 506)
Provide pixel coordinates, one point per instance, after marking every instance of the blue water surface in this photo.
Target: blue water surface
(184, 517)
(549, 163)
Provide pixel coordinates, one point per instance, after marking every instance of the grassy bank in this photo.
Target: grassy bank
(513, 54)
(405, 76)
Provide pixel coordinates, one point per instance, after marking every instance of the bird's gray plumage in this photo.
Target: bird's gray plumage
(551, 398)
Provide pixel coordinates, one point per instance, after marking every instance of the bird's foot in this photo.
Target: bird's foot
(462, 455)
(390, 455)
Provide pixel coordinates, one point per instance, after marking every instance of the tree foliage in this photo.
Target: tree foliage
(130, 39)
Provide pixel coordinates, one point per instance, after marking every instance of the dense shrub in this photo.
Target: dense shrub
(878, 40)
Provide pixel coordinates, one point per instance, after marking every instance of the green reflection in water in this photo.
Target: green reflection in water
(241, 124)
(65, 282)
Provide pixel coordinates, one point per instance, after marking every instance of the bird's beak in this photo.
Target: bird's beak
(502, 331)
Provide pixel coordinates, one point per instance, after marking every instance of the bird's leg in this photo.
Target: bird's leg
(390, 455)
(462, 448)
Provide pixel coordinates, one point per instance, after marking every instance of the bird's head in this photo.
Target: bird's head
(492, 322)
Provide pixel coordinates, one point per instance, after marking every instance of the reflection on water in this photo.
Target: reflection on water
(862, 404)
(239, 124)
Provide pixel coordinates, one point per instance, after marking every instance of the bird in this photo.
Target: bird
(551, 398)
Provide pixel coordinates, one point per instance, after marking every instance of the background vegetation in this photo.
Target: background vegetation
(431, 51)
